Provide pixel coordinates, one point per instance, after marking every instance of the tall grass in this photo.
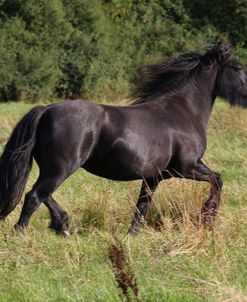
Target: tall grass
(173, 258)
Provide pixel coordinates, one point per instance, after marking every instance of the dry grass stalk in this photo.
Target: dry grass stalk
(122, 271)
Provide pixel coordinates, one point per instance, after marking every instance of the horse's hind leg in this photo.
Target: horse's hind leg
(59, 218)
(41, 191)
(147, 190)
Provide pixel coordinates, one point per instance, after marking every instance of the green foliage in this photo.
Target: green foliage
(66, 49)
(27, 52)
(228, 18)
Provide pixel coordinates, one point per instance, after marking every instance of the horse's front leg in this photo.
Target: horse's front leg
(210, 208)
(147, 190)
(201, 172)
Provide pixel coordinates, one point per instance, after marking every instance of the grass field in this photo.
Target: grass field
(172, 261)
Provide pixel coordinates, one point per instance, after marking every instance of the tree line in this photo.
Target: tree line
(66, 49)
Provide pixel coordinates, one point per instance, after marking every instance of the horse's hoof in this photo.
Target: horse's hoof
(208, 221)
(19, 228)
(63, 229)
(67, 232)
(133, 232)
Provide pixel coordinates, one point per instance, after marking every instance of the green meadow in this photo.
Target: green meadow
(172, 259)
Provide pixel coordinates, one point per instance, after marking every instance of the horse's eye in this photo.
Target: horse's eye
(237, 68)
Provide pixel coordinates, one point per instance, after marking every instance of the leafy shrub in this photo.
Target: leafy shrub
(78, 48)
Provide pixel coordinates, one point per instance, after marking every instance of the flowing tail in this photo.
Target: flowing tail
(16, 160)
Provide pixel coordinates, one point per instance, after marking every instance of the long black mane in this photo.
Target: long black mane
(167, 75)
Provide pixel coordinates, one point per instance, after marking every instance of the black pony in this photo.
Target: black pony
(161, 135)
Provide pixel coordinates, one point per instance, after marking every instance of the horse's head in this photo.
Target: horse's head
(232, 78)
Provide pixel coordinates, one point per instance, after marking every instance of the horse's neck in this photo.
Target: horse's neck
(199, 94)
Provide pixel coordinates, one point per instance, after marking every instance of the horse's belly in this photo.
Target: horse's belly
(113, 168)
(110, 173)
(126, 165)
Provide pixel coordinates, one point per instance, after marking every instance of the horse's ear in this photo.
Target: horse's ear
(222, 52)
